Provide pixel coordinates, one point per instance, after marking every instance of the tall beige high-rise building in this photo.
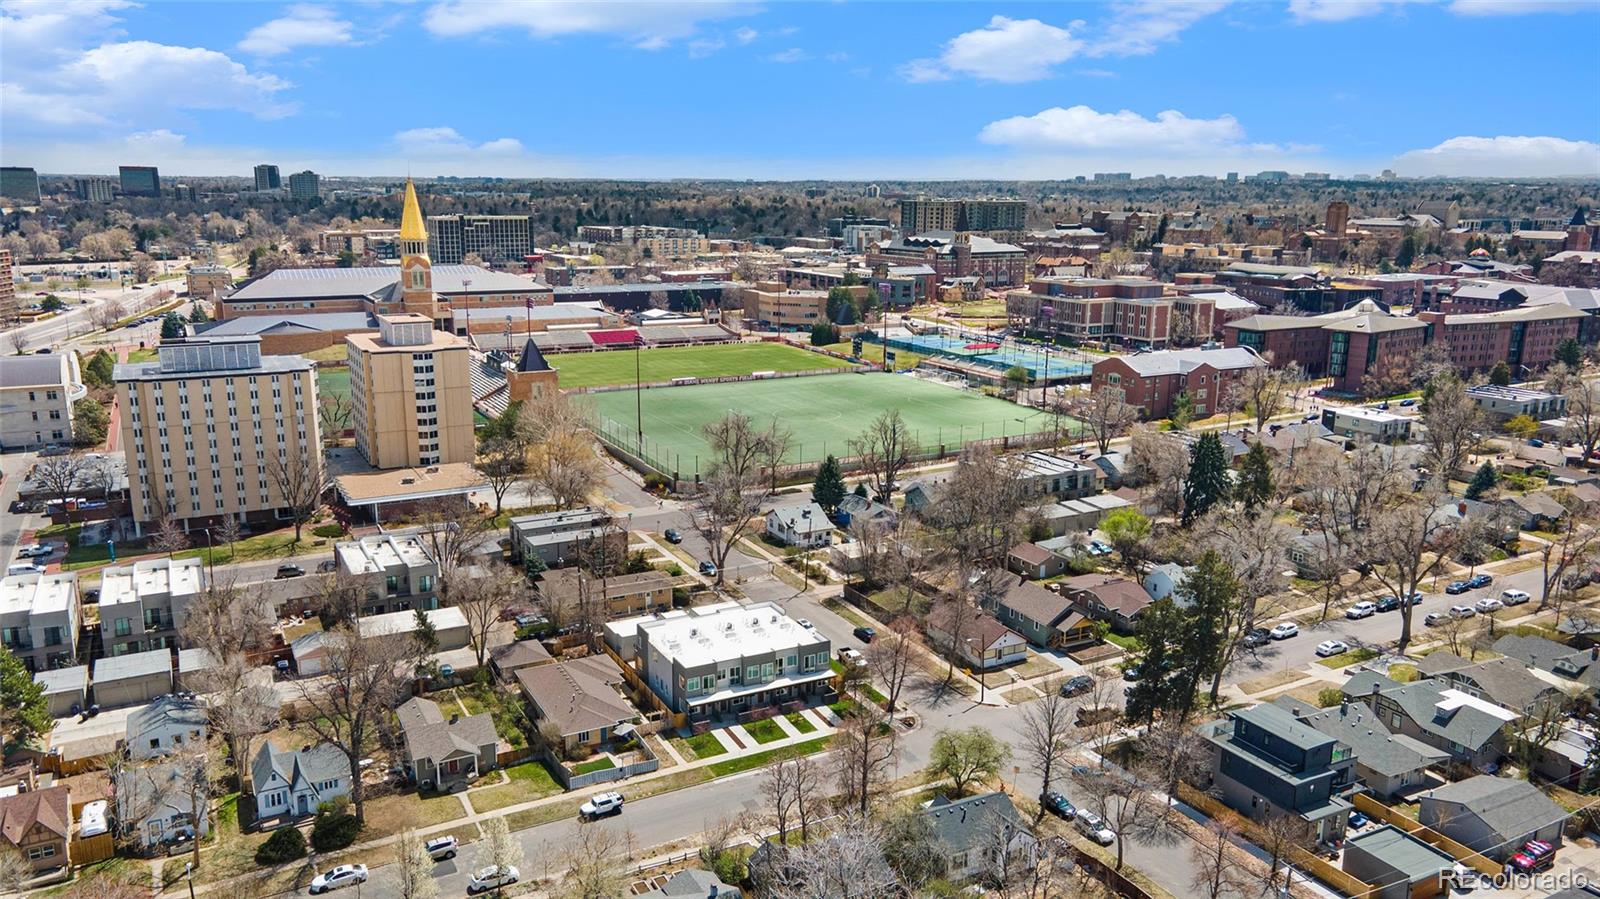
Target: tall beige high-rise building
(208, 427)
(8, 290)
(411, 388)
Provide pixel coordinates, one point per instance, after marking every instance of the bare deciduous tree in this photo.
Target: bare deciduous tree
(1220, 866)
(1105, 414)
(414, 868)
(107, 314)
(228, 531)
(735, 487)
(1575, 547)
(502, 461)
(362, 680)
(481, 600)
(1279, 835)
(61, 476)
(228, 623)
(562, 461)
(1583, 417)
(1130, 809)
(1453, 424)
(1159, 463)
(884, 449)
(1263, 390)
(893, 656)
(866, 750)
(594, 862)
(848, 863)
(1048, 736)
(1405, 543)
(300, 478)
(454, 535)
(1253, 543)
(334, 413)
(499, 849)
(168, 536)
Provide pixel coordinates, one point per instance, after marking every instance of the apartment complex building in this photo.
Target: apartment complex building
(1130, 311)
(39, 618)
(396, 570)
(1153, 381)
(305, 185)
(267, 177)
(143, 605)
(19, 184)
(494, 238)
(770, 306)
(8, 290)
(411, 389)
(954, 254)
(724, 658)
(139, 180)
(559, 538)
(95, 189)
(1364, 342)
(653, 241)
(946, 214)
(36, 397)
(207, 281)
(209, 426)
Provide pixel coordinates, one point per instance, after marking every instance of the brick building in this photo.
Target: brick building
(1153, 381)
(955, 255)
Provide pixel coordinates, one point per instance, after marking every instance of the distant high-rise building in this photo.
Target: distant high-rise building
(95, 189)
(8, 290)
(184, 192)
(874, 191)
(19, 183)
(1113, 176)
(1233, 177)
(140, 180)
(1317, 176)
(1337, 221)
(495, 238)
(1273, 175)
(304, 186)
(267, 177)
(943, 214)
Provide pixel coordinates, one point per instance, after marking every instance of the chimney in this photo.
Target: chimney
(1374, 689)
(1594, 653)
(1461, 508)
(1344, 707)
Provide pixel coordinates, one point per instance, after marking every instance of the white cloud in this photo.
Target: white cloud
(1339, 10)
(746, 34)
(700, 48)
(1005, 50)
(136, 76)
(160, 140)
(1136, 29)
(1082, 128)
(36, 34)
(1503, 157)
(648, 25)
(437, 142)
(793, 54)
(54, 110)
(1518, 7)
(1096, 73)
(304, 26)
(1345, 10)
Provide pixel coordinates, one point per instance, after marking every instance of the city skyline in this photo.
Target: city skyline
(788, 91)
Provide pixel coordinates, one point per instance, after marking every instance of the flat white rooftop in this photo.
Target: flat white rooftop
(1455, 699)
(1365, 414)
(38, 594)
(715, 633)
(406, 622)
(152, 577)
(379, 552)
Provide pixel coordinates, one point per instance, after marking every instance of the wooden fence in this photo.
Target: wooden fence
(1377, 810)
(1304, 859)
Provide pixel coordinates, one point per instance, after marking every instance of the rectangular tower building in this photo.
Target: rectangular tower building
(411, 389)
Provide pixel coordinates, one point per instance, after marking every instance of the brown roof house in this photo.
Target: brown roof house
(1044, 617)
(580, 698)
(977, 638)
(1034, 561)
(626, 594)
(445, 754)
(39, 824)
(1102, 597)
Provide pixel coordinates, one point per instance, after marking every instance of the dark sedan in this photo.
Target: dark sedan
(1479, 580)
(1057, 804)
(1456, 588)
(1387, 603)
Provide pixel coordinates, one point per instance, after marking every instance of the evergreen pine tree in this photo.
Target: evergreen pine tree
(1569, 352)
(1207, 483)
(1483, 481)
(24, 712)
(828, 488)
(1500, 375)
(861, 489)
(1255, 477)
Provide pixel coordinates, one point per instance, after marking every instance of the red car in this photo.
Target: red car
(1535, 854)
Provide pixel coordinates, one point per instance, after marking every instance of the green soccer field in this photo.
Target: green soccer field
(665, 363)
(823, 412)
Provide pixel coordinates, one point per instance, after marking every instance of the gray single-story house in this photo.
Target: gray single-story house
(1399, 864)
(1493, 815)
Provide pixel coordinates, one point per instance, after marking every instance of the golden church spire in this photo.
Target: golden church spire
(411, 227)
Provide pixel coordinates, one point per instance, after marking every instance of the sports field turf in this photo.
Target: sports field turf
(823, 412)
(665, 363)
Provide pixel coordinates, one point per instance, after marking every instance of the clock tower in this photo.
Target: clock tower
(416, 269)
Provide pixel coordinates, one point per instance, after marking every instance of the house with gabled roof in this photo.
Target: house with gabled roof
(1493, 815)
(445, 754)
(1505, 682)
(579, 697)
(979, 835)
(294, 783)
(1102, 597)
(38, 823)
(1388, 764)
(975, 637)
(1045, 618)
(171, 723)
(1472, 730)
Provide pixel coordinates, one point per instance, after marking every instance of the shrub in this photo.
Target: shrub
(328, 530)
(1328, 697)
(285, 845)
(653, 482)
(333, 830)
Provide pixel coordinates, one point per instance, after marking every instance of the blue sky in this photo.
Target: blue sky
(802, 90)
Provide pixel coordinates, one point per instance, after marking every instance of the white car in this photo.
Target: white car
(1094, 827)
(1332, 648)
(601, 804)
(1461, 612)
(1488, 604)
(34, 550)
(1514, 597)
(342, 876)
(493, 877)
(442, 848)
(804, 623)
(851, 656)
(1361, 609)
(1285, 630)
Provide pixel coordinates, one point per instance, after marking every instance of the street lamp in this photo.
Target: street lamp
(188, 873)
(983, 685)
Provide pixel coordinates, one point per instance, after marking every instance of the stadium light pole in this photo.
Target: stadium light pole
(638, 396)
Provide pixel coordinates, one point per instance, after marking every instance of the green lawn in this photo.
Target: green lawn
(602, 763)
(530, 780)
(801, 723)
(757, 759)
(765, 731)
(701, 746)
(331, 381)
(873, 352)
(146, 355)
(665, 363)
(824, 413)
(1352, 657)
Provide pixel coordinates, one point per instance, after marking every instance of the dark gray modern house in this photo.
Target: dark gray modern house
(1266, 761)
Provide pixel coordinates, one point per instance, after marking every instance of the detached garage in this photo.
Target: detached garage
(65, 689)
(132, 679)
(1399, 864)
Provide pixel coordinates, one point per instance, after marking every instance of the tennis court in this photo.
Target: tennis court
(997, 355)
(823, 412)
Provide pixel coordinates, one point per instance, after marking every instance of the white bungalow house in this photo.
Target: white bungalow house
(293, 784)
(805, 525)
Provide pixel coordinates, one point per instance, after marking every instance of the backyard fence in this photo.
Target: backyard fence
(1426, 834)
(1307, 861)
(573, 781)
